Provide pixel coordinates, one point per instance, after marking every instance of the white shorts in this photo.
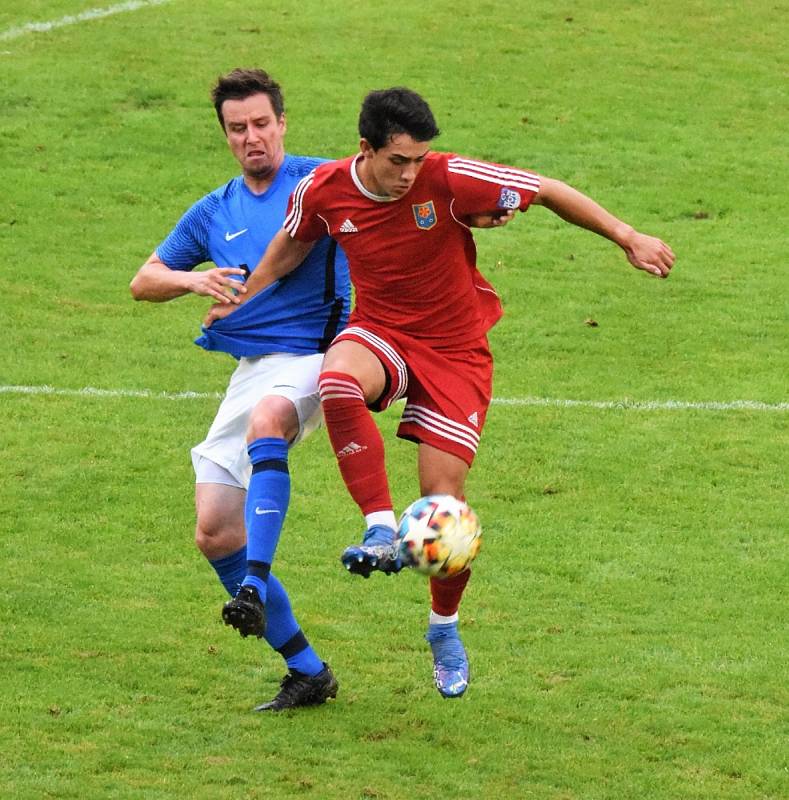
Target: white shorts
(222, 456)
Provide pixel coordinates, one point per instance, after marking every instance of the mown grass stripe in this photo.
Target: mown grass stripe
(73, 19)
(636, 405)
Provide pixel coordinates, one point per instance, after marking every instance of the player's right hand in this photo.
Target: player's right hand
(649, 254)
(218, 284)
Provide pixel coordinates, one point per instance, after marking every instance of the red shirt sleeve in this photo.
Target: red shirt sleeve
(302, 221)
(481, 187)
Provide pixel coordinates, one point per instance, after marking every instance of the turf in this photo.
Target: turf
(627, 619)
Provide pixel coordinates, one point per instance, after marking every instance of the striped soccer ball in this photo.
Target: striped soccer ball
(439, 536)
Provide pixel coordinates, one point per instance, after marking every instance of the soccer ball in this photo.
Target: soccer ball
(439, 536)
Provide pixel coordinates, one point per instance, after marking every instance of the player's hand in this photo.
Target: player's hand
(496, 219)
(650, 254)
(218, 311)
(218, 284)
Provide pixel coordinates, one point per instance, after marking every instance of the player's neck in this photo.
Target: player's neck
(366, 183)
(366, 178)
(259, 182)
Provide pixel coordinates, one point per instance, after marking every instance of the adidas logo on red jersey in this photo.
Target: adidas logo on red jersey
(348, 227)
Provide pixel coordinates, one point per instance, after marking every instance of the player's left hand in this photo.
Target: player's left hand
(218, 311)
(650, 254)
(497, 219)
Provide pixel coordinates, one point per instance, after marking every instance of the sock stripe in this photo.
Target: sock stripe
(276, 464)
(294, 645)
(331, 388)
(259, 569)
(341, 395)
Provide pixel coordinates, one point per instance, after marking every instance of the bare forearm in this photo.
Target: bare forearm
(156, 283)
(575, 207)
(644, 252)
(282, 256)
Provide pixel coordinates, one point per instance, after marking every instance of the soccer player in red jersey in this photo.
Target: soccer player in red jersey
(401, 213)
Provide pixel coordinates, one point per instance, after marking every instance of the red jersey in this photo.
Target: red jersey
(412, 259)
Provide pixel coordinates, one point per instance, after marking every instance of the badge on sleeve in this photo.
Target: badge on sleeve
(509, 198)
(425, 215)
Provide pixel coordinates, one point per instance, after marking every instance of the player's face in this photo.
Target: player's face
(392, 169)
(255, 135)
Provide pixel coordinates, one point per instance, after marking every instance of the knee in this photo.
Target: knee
(348, 359)
(215, 539)
(337, 362)
(273, 417)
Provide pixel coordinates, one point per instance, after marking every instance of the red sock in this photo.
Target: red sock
(356, 441)
(445, 593)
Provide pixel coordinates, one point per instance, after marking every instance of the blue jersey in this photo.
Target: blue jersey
(231, 226)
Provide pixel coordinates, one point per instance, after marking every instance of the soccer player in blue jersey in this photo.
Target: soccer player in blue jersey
(272, 399)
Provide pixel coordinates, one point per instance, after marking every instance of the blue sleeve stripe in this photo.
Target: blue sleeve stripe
(186, 246)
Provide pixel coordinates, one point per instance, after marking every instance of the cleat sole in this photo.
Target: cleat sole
(246, 618)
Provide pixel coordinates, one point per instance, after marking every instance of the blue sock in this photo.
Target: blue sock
(283, 632)
(231, 569)
(268, 496)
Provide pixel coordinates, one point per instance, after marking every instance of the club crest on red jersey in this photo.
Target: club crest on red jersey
(425, 215)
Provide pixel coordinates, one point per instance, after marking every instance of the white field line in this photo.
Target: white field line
(73, 19)
(89, 391)
(645, 405)
(635, 405)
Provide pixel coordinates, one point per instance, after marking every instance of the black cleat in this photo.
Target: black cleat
(246, 613)
(298, 689)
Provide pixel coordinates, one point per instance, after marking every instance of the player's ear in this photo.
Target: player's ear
(365, 148)
(283, 122)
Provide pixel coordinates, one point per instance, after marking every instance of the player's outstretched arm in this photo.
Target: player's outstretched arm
(643, 252)
(282, 256)
(157, 283)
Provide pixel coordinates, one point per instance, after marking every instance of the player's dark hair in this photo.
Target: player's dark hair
(242, 83)
(387, 112)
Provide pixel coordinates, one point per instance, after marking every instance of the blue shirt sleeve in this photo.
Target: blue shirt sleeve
(186, 246)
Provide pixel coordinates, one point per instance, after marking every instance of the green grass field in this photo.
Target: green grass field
(627, 622)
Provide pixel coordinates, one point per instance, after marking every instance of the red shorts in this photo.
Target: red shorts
(447, 391)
